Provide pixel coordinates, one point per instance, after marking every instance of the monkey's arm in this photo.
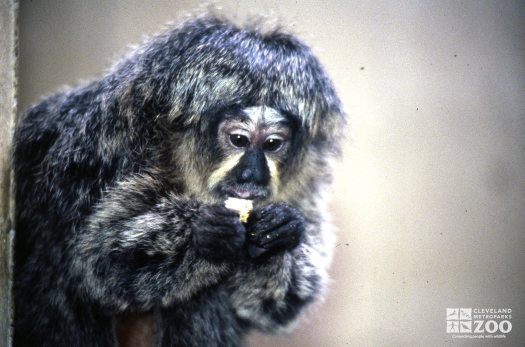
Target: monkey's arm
(270, 293)
(138, 250)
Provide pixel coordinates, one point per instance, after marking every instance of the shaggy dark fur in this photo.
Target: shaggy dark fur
(112, 200)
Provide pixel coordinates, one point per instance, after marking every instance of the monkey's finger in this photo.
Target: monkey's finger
(272, 219)
(224, 231)
(274, 215)
(217, 210)
(256, 252)
(260, 229)
(288, 233)
(266, 211)
(221, 221)
(286, 242)
(221, 218)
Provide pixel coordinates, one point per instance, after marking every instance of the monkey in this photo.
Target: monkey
(120, 185)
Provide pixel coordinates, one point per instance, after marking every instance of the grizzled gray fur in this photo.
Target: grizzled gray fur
(116, 211)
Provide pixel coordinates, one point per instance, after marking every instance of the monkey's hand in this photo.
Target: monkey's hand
(218, 234)
(274, 227)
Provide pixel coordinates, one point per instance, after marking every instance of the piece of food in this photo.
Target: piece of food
(243, 206)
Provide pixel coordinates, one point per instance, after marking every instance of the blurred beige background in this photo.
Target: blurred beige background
(430, 196)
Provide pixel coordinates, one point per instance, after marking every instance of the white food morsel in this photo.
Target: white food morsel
(243, 206)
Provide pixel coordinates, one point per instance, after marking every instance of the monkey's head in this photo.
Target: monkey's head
(255, 144)
(252, 113)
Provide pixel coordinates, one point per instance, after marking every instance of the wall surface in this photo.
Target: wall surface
(430, 196)
(8, 10)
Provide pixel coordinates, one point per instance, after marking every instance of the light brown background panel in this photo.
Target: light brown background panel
(430, 196)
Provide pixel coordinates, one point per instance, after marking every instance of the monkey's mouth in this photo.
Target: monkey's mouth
(244, 194)
(248, 192)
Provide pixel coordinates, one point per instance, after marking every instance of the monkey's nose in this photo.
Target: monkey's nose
(252, 175)
(246, 175)
(253, 169)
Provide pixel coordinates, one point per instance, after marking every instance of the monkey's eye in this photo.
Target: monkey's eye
(272, 145)
(239, 140)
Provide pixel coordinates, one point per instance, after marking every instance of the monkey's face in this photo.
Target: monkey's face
(254, 143)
